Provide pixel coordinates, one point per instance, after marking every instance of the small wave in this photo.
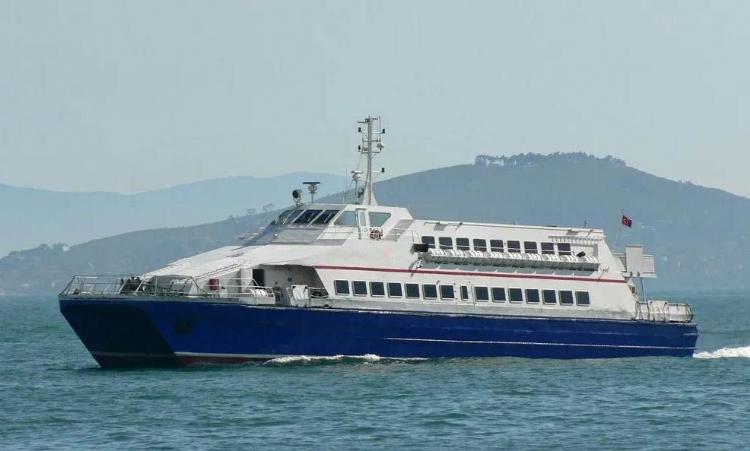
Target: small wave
(305, 359)
(743, 351)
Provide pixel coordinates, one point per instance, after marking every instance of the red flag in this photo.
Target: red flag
(627, 222)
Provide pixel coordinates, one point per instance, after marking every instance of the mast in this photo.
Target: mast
(371, 144)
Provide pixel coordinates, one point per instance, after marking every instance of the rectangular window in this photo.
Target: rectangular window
(346, 219)
(516, 294)
(377, 289)
(447, 292)
(359, 288)
(325, 217)
(429, 241)
(532, 296)
(446, 243)
(514, 246)
(582, 298)
(464, 293)
(481, 294)
(498, 294)
(394, 290)
(462, 244)
(307, 216)
(496, 245)
(549, 296)
(566, 297)
(480, 245)
(378, 219)
(548, 248)
(412, 291)
(530, 247)
(429, 291)
(563, 249)
(341, 286)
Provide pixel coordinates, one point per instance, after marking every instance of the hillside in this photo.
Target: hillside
(698, 234)
(39, 216)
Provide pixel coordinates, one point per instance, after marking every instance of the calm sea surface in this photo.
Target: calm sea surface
(52, 395)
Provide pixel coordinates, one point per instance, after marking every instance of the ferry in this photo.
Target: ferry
(358, 278)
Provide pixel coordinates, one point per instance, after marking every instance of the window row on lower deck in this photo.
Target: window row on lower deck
(464, 293)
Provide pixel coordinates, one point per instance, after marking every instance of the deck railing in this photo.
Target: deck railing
(87, 286)
(663, 311)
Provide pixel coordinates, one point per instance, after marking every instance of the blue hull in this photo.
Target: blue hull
(177, 333)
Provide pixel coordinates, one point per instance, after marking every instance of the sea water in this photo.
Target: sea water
(53, 395)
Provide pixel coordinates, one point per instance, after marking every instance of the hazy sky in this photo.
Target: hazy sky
(134, 95)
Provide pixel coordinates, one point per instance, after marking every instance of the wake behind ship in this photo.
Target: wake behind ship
(359, 278)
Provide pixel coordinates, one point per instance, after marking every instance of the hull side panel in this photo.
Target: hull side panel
(191, 332)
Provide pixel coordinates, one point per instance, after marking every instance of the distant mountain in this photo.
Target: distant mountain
(700, 235)
(31, 216)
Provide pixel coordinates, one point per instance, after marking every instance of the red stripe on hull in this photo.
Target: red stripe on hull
(466, 273)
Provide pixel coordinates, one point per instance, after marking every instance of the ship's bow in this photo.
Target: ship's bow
(116, 333)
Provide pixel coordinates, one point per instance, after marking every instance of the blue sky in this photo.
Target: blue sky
(133, 95)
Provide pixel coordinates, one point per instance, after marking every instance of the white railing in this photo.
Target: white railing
(517, 259)
(118, 286)
(663, 311)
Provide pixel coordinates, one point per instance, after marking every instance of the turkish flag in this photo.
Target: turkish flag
(627, 222)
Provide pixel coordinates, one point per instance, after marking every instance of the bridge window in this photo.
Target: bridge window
(516, 294)
(464, 293)
(341, 286)
(582, 298)
(447, 292)
(566, 298)
(412, 291)
(530, 247)
(498, 294)
(359, 288)
(429, 291)
(307, 216)
(394, 290)
(481, 294)
(549, 296)
(429, 241)
(532, 296)
(548, 248)
(564, 249)
(480, 245)
(462, 244)
(290, 217)
(378, 219)
(347, 219)
(446, 243)
(283, 216)
(326, 217)
(496, 245)
(514, 246)
(377, 289)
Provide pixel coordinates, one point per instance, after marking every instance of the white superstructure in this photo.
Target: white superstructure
(367, 256)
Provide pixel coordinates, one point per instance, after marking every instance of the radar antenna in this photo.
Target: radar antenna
(372, 144)
(312, 187)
